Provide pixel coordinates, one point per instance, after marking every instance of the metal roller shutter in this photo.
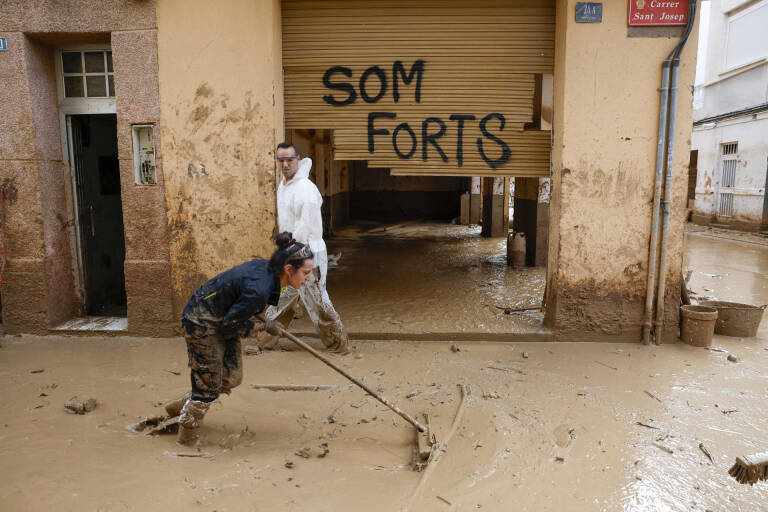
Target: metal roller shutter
(478, 58)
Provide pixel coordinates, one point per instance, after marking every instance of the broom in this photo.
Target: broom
(750, 469)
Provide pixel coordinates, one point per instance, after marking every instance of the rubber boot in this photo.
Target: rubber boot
(173, 407)
(189, 422)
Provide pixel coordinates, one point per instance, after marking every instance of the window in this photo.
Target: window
(88, 74)
(747, 38)
(729, 159)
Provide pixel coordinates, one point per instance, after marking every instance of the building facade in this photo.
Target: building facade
(730, 133)
(154, 123)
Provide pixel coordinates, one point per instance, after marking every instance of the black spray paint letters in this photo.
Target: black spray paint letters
(373, 79)
(432, 129)
(374, 84)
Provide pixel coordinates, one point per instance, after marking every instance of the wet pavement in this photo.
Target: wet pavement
(546, 426)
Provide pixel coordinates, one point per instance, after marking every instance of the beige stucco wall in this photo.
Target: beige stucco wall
(603, 164)
(221, 116)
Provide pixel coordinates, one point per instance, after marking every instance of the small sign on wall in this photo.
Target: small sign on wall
(3, 44)
(589, 12)
(654, 13)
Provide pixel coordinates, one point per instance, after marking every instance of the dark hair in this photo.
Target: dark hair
(286, 145)
(286, 247)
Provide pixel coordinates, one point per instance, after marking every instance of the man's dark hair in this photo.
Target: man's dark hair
(286, 145)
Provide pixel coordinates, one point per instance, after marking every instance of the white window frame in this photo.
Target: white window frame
(726, 69)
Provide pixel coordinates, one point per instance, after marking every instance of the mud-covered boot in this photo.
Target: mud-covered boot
(189, 422)
(173, 407)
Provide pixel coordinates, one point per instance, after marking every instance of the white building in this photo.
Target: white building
(729, 156)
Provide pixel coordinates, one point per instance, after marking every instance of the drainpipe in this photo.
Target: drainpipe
(654, 250)
(672, 61)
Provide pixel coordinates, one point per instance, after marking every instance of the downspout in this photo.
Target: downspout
(666, 205)
(654, 250)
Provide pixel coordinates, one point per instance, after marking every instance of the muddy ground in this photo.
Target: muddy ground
(546, 426)
(430, 280)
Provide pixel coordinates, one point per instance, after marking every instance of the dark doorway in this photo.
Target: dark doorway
(96, 171)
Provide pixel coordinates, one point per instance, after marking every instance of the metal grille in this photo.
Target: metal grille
(479, 57)
(729, 159)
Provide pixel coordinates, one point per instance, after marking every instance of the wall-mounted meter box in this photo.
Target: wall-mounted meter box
(144, 154)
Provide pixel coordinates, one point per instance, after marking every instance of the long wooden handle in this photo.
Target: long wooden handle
(368, 390)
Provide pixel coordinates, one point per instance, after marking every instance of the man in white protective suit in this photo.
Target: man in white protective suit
(298, 212)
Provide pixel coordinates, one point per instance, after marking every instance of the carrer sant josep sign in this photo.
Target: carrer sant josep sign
(658, 12)
(406, 139)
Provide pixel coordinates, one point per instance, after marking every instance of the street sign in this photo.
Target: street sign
(654, 13)
(3, 44)
(589, 12)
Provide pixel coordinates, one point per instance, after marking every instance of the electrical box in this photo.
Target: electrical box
(144, 154)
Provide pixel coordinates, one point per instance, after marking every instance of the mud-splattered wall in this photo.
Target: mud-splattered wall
(221, 116)
(603, 162)
(39, 289)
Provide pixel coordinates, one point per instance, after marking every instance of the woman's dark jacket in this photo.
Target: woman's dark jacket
(226, 302)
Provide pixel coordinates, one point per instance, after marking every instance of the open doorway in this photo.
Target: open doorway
(408, 258)
(92, 142)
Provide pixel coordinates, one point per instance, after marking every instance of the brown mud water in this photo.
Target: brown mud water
(698, 325)
(734, 319)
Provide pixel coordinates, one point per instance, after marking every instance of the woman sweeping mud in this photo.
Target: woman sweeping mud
(219, 314)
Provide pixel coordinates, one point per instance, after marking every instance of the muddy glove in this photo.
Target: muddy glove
(273, 327)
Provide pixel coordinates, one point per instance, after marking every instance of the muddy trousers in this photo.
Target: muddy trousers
(317, 303)
(216, 366)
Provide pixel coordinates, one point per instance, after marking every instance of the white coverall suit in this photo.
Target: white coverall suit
(298, 212)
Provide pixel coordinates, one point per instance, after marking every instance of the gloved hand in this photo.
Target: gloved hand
(273, 327)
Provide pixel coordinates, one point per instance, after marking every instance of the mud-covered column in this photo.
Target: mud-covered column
(542, 222)
(475, 200)
(526, 214)
(495, 207)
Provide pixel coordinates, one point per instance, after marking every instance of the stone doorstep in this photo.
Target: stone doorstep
(93, 325)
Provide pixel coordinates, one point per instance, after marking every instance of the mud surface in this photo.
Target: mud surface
(547, 426)
(430, 278)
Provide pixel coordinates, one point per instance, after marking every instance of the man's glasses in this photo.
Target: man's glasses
(286, 158)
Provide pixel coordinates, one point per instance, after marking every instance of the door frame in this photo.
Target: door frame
(72, 107)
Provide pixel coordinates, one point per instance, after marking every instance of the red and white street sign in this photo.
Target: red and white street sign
(658, 12)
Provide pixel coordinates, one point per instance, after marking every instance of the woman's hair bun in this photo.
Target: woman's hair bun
(284, 240)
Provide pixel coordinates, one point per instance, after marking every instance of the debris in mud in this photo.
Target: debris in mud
(729, 411)
(732, 358)
(652, 395)
(175, 372)
(525, 355)
(41, 370)
(253, 351)
(323, 450)
(491, 395)
(455, 348)
(303, 453)
(444, 500)
(412, 394)
(329, 419)
(664, 448)
(76, 406)
(157, 424)
(646, 425)
(560, 459)
(289, 464)
(606, 365)
(706, 452)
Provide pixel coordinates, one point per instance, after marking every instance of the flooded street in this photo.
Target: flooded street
(545, 426)
(432, 281)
